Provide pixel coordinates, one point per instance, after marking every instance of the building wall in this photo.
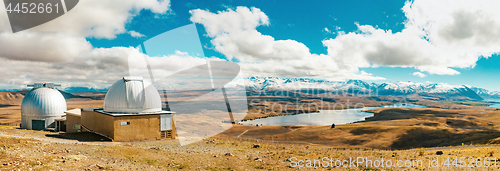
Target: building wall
(26, 120)
(141, 128)
(122, 128)
(98, 122)
(70, 121)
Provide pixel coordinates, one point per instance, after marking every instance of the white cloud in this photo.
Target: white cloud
(418, 74)
(100, 67)
(243, 19)
(50, 47)
(327, 30)
(64, 38)
(136, 34)
(101, 19)
(234, 35)
(180, 53)
(438, 36)
(161, 66)
(58, 51)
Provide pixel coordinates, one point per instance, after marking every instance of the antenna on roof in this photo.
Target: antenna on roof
(48, 85)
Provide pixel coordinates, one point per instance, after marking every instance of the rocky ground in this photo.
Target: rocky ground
(38, 150)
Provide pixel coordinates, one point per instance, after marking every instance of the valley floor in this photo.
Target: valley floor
(466, 133)
(39, 150)
(389, 128)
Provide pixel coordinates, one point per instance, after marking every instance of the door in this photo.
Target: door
(37, 125)
(61, 126)
(166, 122)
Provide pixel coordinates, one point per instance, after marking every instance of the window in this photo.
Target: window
(166, 134)
(76, 126)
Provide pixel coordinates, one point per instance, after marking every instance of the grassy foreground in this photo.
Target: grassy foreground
(26, 150)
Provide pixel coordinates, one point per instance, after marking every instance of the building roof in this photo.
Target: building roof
(74, 112)
(62, 118)
(132, 95)
(133, 114)
(43, 100)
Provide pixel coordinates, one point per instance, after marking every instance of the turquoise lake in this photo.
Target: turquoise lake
(323, 118)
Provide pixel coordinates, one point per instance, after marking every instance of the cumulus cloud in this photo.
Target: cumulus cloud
(48, 47)
(161, 66)
(234, 35)
(58, 51)
(102, 19)
(438, 37)
(136, 34)
(64, 38)
(99, 68)
(418, 74)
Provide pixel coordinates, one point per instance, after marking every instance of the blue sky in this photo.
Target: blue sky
(306, 26)
(305, 22)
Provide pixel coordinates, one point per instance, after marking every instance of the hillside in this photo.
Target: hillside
(19, 95)
(11, 97)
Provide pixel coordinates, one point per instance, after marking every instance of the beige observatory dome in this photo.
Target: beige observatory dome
(132, 95)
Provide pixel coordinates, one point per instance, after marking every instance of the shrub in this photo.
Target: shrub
(421, 152)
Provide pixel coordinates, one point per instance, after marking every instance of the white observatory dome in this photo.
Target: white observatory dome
(132, 95)
(41, 105)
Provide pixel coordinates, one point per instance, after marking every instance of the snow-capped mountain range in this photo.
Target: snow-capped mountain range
(357, 86)
(439, 91)
(486, 94)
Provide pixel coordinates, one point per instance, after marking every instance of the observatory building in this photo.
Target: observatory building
(41, 106)
(132, 112)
